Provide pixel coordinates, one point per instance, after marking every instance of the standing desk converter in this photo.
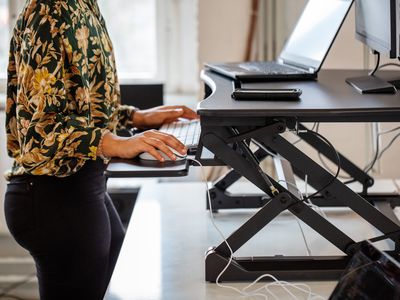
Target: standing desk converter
(227, 127)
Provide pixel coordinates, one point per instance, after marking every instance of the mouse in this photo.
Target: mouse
(148, 156)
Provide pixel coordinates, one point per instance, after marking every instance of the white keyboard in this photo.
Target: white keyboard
(186, 131)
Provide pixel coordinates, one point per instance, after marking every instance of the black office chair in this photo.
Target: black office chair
(142, 96)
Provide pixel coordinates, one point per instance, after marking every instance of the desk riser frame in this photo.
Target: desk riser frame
(245, 163)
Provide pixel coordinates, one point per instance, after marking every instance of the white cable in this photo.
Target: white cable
(243, 292)
(219, 231)
(304, 237)
(380, 153)
(312, 205)
(297, 220)
(287, 182)
(316, 207)
(309, 202)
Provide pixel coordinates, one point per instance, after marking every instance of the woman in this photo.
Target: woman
(62, 111)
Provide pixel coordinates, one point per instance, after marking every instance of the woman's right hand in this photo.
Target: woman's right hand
(149, 141)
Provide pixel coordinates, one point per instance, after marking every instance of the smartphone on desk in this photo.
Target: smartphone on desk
(242, 94)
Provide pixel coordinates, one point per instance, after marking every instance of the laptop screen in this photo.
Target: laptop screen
(315, 32)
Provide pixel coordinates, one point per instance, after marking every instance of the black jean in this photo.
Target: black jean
(71, 229)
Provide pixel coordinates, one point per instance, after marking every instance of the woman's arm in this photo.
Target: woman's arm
(149, 141)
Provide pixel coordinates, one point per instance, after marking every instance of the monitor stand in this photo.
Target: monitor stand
(371, 85)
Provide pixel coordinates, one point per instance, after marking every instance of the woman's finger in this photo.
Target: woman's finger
(187, 112)
(160, 145)
(168, 139)
(152, 151)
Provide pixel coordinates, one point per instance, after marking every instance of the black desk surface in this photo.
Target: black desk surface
(329, 98)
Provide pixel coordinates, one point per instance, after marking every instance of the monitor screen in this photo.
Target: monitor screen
(315, 31)
(376, 25)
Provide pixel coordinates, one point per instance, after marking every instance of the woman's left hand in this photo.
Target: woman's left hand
(157, 116)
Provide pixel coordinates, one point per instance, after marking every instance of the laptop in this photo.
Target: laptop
(370, 275)
(304, 51)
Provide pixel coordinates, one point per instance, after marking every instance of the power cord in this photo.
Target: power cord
(378, 154)
(324, 139)
(312, 205)
(314, 127)
(299, 192)
(378, 59)
(246, 290)
(388, 65)
(325, 165)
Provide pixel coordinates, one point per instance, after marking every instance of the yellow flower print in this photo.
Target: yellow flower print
(82, 35)
(55, 114)
(10, 103)
(106, 43)
(24, 125)
(93, 151)
(82, 94)
(43, 81)
(68, 49)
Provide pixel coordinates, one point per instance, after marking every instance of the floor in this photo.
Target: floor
(163, 254)
(17, 272)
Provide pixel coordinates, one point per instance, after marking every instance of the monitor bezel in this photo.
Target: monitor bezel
(375, 45)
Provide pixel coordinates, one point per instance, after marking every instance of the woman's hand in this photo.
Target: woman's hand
(157, 116)
(149, 141)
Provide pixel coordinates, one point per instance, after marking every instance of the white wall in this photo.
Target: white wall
(223, 26)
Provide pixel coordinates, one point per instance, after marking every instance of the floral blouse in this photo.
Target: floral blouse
(63, 91)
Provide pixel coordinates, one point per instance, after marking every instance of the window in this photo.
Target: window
(133, 29)
(154, 40)
(4, 37)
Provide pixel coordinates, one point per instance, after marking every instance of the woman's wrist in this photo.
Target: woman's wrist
(100, 152)
(137, 118)
(110, 145)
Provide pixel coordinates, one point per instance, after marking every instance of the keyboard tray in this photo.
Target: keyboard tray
(123, 168)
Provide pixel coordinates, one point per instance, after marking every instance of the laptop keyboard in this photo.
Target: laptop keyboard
(269, 68)
(186, 131)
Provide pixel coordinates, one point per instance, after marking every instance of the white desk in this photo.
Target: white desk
(170, 230)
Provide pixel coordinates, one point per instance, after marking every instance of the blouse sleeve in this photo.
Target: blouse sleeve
(55, 131)
(125, 116)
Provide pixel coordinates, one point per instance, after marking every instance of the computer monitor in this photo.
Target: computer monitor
(377, 23)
